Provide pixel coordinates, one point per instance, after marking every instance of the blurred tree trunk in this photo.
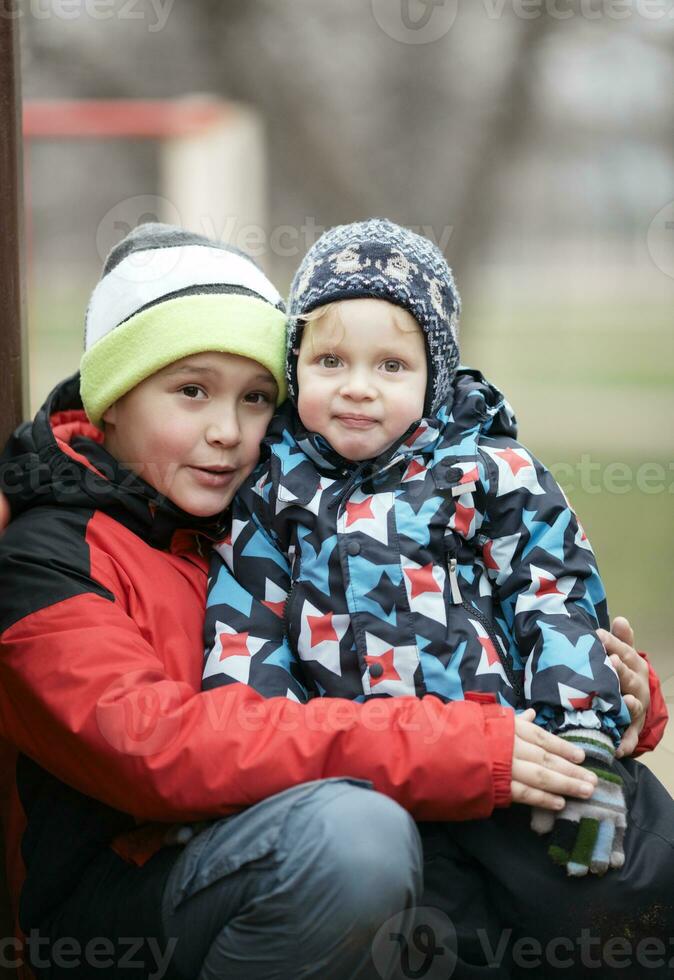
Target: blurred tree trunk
(13, 368)
(507, 131)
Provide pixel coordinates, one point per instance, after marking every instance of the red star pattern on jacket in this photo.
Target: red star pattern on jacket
(411, 439)
(548, 586)
(513, 459)
(489, 649)
(386, 661)
(462, 519)
(233, 645)
(274, 598)
(546, 593)
(571, 697)
(472, 476)
(321, 629)
(422, 580)
(487, 556)
(414, 471)
(359, 511)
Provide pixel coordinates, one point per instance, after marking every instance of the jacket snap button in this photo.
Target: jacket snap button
(376, 670)
(353, 548)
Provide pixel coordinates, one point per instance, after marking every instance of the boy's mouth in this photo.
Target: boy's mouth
(214, 476)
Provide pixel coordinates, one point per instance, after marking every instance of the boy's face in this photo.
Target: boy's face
(361, 375)
(193, 430)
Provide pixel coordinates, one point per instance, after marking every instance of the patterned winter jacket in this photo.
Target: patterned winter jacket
(451, 565)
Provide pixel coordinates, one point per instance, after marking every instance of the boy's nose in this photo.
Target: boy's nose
(224, 430)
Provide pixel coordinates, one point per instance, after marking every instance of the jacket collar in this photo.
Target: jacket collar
(59, 458)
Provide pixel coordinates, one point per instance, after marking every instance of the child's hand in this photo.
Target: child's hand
(543, 771)
(632, 673)
(587, 836)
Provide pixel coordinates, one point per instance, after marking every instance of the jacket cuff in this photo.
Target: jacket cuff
(499, 731)
(657, 715)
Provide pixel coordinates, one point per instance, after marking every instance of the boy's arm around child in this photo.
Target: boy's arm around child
(112, 709)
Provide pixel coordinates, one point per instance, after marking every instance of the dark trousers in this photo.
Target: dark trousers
(515, 914)
(325, 880)
(297, 886)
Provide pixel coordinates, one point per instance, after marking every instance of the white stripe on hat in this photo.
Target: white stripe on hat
(147, 275)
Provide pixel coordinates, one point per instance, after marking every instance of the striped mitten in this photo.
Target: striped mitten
(587, 835)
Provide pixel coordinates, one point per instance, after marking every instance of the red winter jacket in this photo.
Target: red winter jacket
(101, 611)
(657, 717)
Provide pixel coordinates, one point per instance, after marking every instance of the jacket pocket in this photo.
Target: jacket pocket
(471, 609)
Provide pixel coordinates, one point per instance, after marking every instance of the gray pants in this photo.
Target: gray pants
(297, 886)
(313, 882)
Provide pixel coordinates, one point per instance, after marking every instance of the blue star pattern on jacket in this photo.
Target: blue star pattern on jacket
(451, 564)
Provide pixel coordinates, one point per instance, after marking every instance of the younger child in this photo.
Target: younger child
(430, 552)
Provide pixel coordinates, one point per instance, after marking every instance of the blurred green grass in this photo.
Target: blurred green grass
(595, 379)
(598, 344)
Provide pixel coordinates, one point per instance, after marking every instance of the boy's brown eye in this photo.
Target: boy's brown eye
(191, 391)
(392, 366)
(259, 398)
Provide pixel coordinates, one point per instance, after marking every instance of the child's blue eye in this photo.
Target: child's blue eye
(329, 361)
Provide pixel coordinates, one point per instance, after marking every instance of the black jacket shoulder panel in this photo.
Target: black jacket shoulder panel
(44, 559)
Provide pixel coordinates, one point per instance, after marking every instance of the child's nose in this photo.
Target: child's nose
(224, 429)
(358, 385)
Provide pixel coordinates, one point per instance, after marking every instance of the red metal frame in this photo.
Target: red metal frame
(119, 118)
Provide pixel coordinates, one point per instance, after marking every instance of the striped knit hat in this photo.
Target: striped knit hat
(166, 293)
(380, 259)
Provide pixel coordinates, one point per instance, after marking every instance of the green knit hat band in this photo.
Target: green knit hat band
(156, 337)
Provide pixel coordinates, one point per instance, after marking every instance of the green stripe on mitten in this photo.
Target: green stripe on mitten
(587, 835)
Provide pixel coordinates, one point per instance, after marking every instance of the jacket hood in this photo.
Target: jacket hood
(59, 458)
(477, 402)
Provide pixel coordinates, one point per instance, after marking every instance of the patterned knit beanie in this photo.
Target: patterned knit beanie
(380, 259)
(166, 293)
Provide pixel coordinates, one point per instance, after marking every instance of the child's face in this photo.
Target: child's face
(361, 375)
(193, 430)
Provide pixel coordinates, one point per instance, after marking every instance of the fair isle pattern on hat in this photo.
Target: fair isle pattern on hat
(380, 259)
(166, 293)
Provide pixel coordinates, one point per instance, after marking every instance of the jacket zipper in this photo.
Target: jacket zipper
(348, 486)
(458, 600)
(292, 557)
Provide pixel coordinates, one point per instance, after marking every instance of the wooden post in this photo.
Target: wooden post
(13, 349)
